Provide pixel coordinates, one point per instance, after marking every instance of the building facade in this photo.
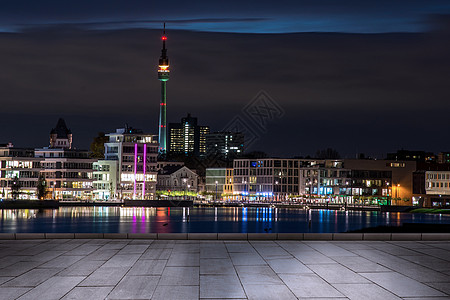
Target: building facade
(177, 178)
(187, 137)
(352, 181)
(265, 179)
(19, 173)
(68, 173)
(227, 145)
(105, 175)
(220, 181)
(135, 154)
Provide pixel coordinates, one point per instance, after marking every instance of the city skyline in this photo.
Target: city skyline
(355, 92)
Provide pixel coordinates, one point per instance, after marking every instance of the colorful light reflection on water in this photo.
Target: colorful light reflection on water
(228, 219)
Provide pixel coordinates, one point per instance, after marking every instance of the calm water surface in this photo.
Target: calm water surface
(232, 219)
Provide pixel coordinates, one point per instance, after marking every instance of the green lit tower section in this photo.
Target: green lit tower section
(163, 76)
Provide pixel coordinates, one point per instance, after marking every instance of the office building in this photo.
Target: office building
(226, 145)
(187, 137)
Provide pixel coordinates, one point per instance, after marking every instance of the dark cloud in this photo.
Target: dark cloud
(355, 92)
(234, 16)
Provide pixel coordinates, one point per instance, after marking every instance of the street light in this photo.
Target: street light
(184, 183)
(216, 193)
(276, 189)
(387, 192)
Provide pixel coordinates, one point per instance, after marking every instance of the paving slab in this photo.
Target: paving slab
(105, 276)
(32, 278)
(165, 292)
(7, 293)
(91, 293)
(216, 266)
(257, 275)
(180, 276)
(52, 289)
(336, 273)
(401, 285)
(268, 292)
(135, 287)
(148, 267)
(359, 291)
(309, 286)
(221, 286)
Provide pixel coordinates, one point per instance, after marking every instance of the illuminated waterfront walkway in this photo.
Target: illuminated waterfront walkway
(192, 269)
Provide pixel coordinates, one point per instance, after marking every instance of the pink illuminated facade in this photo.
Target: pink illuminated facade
(136, 155)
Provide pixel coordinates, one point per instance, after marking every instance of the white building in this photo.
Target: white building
(135, 154)
(105, 176)
(437, 182)
(177, 178)
(68, 173)
(20, 166)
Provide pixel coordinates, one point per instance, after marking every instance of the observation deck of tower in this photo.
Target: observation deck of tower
(163, 76)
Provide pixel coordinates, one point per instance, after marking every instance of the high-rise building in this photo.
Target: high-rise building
(163, 76)
(225, 144)
(187, 137)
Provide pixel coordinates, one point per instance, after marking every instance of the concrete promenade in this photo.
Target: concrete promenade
(223, 269)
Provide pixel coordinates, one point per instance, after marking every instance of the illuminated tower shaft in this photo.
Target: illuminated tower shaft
(163, 76)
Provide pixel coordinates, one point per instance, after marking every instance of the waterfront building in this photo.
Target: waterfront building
(359, 181)
(265, 179)
(19, 172)
(177, 178)
(220, 182)
(225, 144)
(352, 181)
(67, 172)
(105, 176)
(135, 154)
(431, 185)
(187, 137)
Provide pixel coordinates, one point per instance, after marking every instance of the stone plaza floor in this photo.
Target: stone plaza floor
(190, 269)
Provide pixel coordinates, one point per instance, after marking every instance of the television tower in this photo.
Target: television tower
(163, 76)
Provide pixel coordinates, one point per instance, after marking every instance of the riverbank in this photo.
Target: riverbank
(53, 204)
(430, 211)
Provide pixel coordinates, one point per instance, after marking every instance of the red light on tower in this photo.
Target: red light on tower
(164, 38)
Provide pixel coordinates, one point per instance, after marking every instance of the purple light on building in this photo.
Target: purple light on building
(135, 168)
(145, 160)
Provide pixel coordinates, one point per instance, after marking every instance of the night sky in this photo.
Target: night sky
(357, 76)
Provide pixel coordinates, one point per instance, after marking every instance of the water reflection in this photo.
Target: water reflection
(228, 219)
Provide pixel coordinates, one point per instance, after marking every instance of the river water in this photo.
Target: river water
(189, 220)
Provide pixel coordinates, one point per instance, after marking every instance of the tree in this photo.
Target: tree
(98, 146)
(15, 187)
(41, 187)
(327, 154)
